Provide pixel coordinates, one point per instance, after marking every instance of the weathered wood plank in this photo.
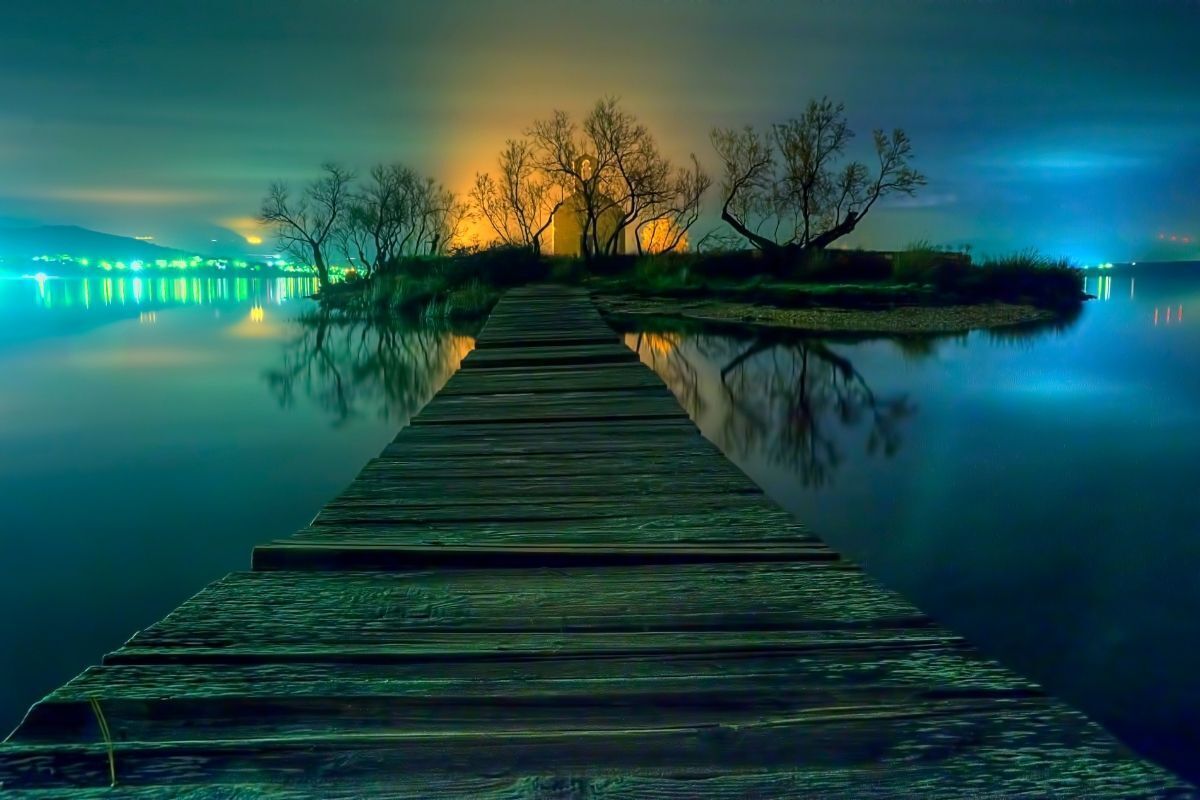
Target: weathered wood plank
(427, 490)
(1089, 773)
(546, 508)
(498, 513)
(470, 443)
(535, 356)
(612, 399)
(423, 647)
(503, 381)
(747, 530)
(683, 462)
(346, 608)
(1032, 744)
(677, 428)
(395, 555)
(572, 337)
(161, 702)
(489, 410)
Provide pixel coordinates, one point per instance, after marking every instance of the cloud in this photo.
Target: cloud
(123, 195)
(922, 201)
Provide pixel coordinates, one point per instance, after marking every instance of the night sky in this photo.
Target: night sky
(1071, 127)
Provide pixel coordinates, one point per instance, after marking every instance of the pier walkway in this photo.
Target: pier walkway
(551, 586)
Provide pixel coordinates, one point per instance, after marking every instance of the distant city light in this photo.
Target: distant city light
(273, 261)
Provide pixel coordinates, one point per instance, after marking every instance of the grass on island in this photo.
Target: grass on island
(464, 287)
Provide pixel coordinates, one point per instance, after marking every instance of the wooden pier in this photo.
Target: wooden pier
(550, 585)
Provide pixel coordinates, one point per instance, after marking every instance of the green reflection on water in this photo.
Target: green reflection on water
(103, 292)
(350, 367)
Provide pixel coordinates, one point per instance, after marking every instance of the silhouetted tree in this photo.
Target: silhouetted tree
(305, 225)
(380, 225)
(442, 215)
(670, 218)
(519, 203)
(397, 213)
(785, 191)
(611, 163)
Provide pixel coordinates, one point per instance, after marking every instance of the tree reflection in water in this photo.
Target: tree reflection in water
(796, 402)
(351, 367)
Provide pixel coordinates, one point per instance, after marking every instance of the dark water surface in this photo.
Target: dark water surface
(1035, 491)
(153, 430)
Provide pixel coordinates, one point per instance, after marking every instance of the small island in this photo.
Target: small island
(595, 203)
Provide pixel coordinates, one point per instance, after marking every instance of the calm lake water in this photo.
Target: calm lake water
(153, 430)
(1035, 490)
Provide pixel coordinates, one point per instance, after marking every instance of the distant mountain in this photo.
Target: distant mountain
(21, 242)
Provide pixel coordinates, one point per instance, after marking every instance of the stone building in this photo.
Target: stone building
(571, 216)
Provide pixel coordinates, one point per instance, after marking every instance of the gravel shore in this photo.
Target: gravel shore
(900, 320)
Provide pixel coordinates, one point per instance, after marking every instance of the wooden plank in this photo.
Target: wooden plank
(162, 702)
(572, 337)
(1024, 743)
(678, 427)
(578, 406)
(570, 394)
(382, 608)
(362, 513)
(664, 435)
(720, 510)
(1089, 770)
(395, 555)
(443, 647)
(499, 381)
(469, 443)
(750, 530)
(683, 462)
(375, 487)
(535, 356)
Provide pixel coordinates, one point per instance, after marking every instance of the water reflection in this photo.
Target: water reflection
(798, 403)
(90, 293)
(350, 368)
(802, 405)
(992, 479)
(1168, 315)
(41, 306)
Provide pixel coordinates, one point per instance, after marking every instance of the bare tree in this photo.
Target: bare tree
(563, 154)
(378, 228)
(785, 191)
(670, 218)
(519, 205)
(612, 165)
(638, 178)
(442, 215)
(304, 225)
